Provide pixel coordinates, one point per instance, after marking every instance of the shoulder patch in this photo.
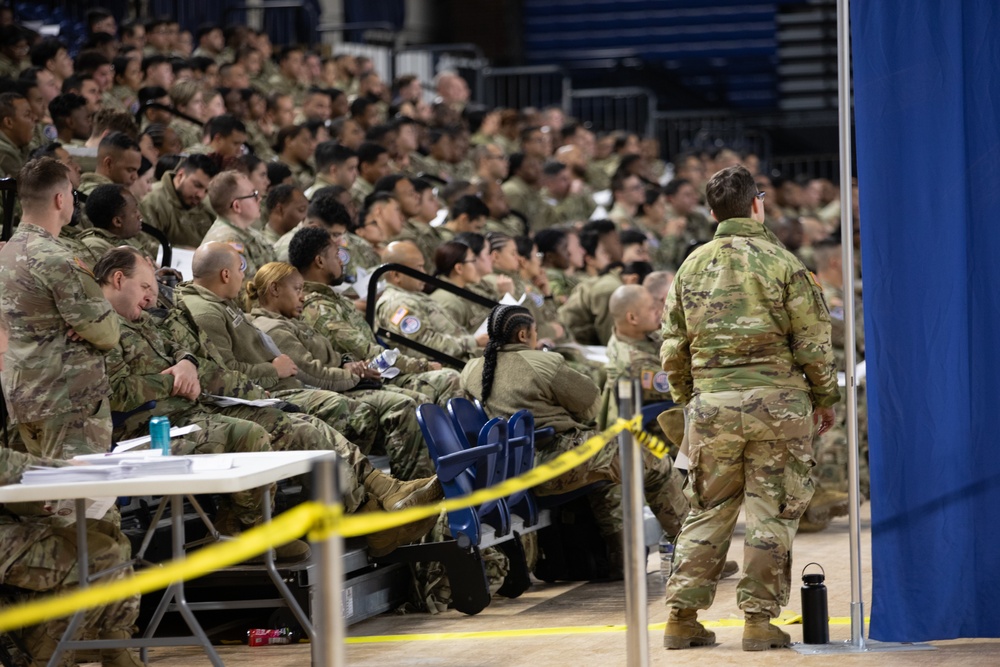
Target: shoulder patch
(237, 246)
(343, 255)
(660, 382)
(409, 325)
(83, 266)
(537, 298)
(398, 316)
(647, 379)
(837, 312)
(50, 132)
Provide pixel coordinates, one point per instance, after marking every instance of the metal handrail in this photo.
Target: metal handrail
(8, 194)
(438, 283)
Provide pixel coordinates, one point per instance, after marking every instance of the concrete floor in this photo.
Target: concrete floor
(574, 624)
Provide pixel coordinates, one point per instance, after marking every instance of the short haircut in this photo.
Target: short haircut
(122, 258)
(640, 269)
(359, 106)
(166, 163)
(109, 120)
(222, 190)
(88, 61)
(624, 299)
(471, 206)
(7, 107)
(153, 61)
(325, 208)
(38, 178)
(117, 141)
(287, 51)
(674, 185)
(182, 92)
(278, 172)
(370, 202)
(201, 63)
(388, 183)
(553, 168)
(45, 150)
(306, 244)
(331, 153)
(96, 15)
(278, 195)
(730, 193)
(524, 245)
(120, 64)
(45, 50)
(104, 203)
(548, 239)
(632, 237)
(421, 185)
(368, 153)
(204, 29)
(62, 106)
(592, 232)
(199, 162)
(224, 126)
(287, 134)
(514, 162)
(474, 240)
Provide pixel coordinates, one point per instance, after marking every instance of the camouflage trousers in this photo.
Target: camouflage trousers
(399, 434)
(39, 557)
(832, 452)
(67, 435)
(355, 420)
(662, 484)
(438, 386)
(753, 445)
(302, 432)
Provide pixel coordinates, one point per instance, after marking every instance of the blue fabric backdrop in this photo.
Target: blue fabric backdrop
(928, 153)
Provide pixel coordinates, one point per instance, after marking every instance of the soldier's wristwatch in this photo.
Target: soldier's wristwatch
(191, 358)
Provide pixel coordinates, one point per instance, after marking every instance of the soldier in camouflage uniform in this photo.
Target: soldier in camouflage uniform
(585, 312)
(17, 126)
(404, 309)
(60, 325)
(238, 205)
(315, 255)
(512, 375)
(746, 347)
(176, 205)
(114, 214)
(522, 188)
(278, 289)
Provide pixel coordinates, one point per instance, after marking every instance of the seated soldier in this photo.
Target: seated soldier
(585, 313)
(562, 258)
(237, 205)
(224, 138)
(467, 214)
(404, 309)
(118, 160)
(177, 205)
(285, 207)
(17, 127)
(373, 164)
(512, 375)
(417, 227)
(335, 165)
(276, 296)
(295, 146)
(380, 220)
(71, 118)
(114, 214)
(316, 255)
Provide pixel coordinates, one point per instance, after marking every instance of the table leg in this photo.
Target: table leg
(83, 568)
(279, 583)
(328, 646)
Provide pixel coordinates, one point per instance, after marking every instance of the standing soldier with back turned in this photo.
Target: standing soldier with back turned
(746, 347)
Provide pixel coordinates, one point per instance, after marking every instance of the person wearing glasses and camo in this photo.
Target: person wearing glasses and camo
(237, 205)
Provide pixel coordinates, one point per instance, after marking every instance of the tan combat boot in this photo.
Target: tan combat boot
(392, 495)
(119, 657)
(825, 505)
(760, 635)
(684, 631)
(729, 569)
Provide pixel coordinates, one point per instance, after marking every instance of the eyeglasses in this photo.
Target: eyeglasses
(253, 195)
(468, 261)
(760, 195)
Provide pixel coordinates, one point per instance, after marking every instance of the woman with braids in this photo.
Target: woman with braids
(275, 298)
(455, 263)
(512, 375)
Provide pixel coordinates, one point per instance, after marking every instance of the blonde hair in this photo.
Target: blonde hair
(271, 273)
(182, 92)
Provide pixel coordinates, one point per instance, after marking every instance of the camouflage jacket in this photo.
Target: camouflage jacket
(526, 200)
(538, 381)
(425, 237)
(585, 312)
(242, 346)
(418, 317)
(318, 184)
(336, 318)
(120, 98)
(359, 191)
(543, 309)
(573, 208)
(96, 241)
(188, 133)
(303, 173)
(44, 292)
(319, 364)
(11, 157)
(466, 313)
(425, 164)
(163, 209)
(249, 242)
(359, 253)
(562, 284)
(743, 312)
(638, 359)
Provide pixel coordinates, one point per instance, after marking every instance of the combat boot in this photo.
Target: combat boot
(759, 634)
(229, 525)
(826, 504)
(729, 569)
(394, 495)
(684, 631)
(119, 657)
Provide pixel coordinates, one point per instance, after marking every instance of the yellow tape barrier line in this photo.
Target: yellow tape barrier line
(284, 528)
(318, 520)
(542, 632)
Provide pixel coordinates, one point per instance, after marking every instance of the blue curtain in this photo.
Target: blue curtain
(928, 154)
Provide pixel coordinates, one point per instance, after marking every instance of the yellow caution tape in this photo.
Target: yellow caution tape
(318, 520)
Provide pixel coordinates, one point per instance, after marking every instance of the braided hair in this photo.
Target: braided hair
(503, 325)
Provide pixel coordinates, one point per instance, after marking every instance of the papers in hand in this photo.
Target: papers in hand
(507, 300)
(360, 285)
(175, 432)
(230, 401)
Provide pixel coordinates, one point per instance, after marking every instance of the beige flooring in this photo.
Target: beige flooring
(578, 617)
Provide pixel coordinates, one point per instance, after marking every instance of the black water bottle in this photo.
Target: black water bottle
(815, 615)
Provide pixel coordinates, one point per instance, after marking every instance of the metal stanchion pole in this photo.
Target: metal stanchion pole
(636, 621)
(328, 645)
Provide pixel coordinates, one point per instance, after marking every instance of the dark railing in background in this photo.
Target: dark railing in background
(518, 87)
(606, 109)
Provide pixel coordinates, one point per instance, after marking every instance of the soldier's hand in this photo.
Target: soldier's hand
(186, 382)
(434, 365)
(285, 366)
(360, 368)
(482, 339)
(675, 226)
(74, 336)
(823, 419)
(505, 285)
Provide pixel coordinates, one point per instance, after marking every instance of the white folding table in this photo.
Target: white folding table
(249, 471)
